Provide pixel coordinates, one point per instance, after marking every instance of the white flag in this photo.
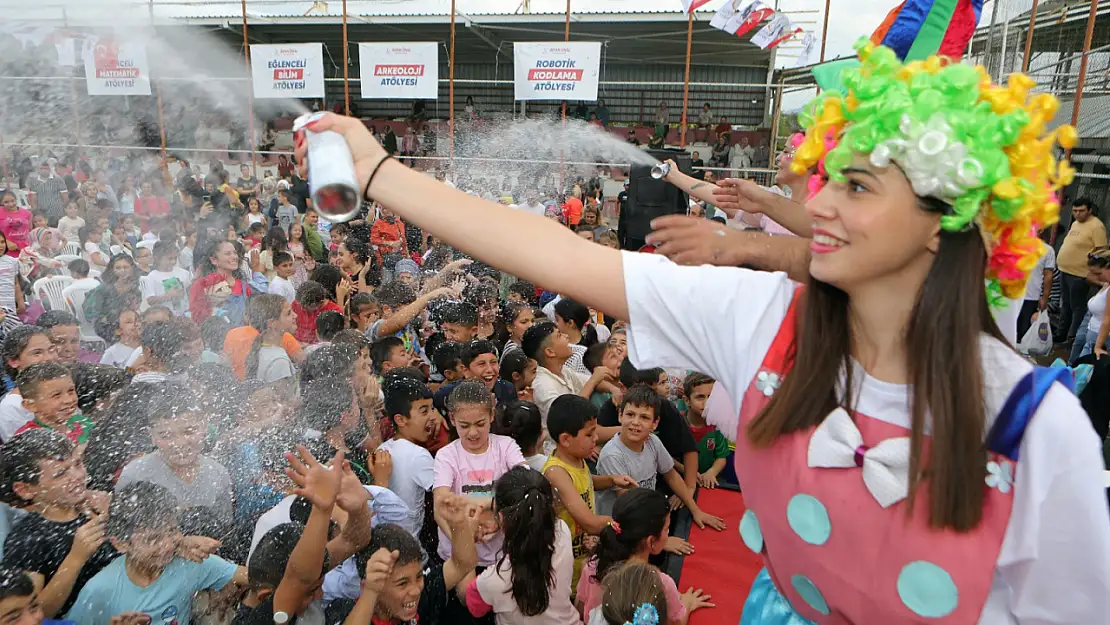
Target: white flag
(808, 53)
(778, 30)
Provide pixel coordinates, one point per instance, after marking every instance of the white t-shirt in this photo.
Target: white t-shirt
(281, 286)
(158, 283)
(412, 478)
(535, 209)
(12, 415)
(1054, 564)
(1097, 307)
(9, 273)
(1035, 286)
(495, 586)
(135, 356)
(71, 228)
(118, 355)
(89, 255)
(274, 364)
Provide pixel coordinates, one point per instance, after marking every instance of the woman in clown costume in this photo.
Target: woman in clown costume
(901, 463)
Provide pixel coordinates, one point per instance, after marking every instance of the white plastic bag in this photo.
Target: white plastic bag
(1038, 339)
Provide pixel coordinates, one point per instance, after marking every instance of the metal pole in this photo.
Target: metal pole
(566, 37)
(451, 92)
(250, 91)
(73, 98)
(1029, 36)
(775, 123)
(161, 117)
(825, 30)
(990, 39)
(1083, 66)
(686, 86)
(346, 66)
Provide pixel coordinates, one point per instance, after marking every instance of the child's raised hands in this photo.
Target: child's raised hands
(352, 497)
(317, 483)
(378, 569)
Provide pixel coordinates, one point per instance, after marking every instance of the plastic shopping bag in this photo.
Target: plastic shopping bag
(1038, 339)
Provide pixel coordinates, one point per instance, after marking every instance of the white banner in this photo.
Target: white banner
(117, 68)
(564, 70)
(294, 70)
(399, 70)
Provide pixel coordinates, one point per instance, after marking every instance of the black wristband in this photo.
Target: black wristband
(366, 191)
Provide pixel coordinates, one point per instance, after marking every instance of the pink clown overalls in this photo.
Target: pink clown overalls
(831, 549)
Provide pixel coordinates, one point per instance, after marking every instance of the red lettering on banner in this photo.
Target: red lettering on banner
(398, 70)
(555, 74)
(288, 74)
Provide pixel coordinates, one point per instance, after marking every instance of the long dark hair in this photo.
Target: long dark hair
(526, 504)
(945, 371)
(206, 267)
(579, 315)
(275, 240)
(640, 513)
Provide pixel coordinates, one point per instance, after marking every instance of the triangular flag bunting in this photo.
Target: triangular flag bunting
(689, 6)
(740, 17)
(808, 53)
(778, 30)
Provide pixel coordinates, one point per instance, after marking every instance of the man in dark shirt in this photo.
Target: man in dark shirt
(301, 193)
(246, 185)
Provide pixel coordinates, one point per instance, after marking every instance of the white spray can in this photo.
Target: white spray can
(331, 171)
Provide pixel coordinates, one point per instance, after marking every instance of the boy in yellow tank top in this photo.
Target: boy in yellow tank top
(572, 426)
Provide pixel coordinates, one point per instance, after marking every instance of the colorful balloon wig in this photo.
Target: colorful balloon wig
(982, 148)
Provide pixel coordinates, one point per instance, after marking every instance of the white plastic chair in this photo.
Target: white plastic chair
(66, 259)
(50, 290)
(75, 298)
(147, 243)
(73, 248)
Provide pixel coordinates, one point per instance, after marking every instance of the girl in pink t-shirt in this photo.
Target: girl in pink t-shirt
(472, 464)
(641, 523)
(15, 223)
(530, 585)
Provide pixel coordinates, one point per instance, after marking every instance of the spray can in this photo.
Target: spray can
(331, 172)
(660, 170)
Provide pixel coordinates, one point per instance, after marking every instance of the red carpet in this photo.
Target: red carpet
(721, 565)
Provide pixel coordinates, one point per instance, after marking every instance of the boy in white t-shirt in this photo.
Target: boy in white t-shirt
(167, 284)
(127, 328)
(284, 268)
(408, 402)
(71, 223)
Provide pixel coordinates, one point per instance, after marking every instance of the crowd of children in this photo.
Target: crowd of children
(370, 427)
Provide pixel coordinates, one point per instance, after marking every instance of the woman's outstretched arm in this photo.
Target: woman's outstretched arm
(528, 246)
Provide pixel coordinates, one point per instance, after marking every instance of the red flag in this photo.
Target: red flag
(739, 18)
(778, 30)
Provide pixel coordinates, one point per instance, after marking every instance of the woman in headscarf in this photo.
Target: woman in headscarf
(37, 259)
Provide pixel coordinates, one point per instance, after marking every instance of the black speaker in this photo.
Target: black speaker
(649, 198)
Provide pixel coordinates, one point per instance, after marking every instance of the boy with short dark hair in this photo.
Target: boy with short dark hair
(637, 452)
(61, 543)
(389, 353)
(408, 405)
(284, 270)
(406, 591)
(459, 321)
(177, 429)
(149, 578)
(166, 284)
(49, 394)
(673, 430)
(399, 306)
(712, 445)
(572, 425)
(480, 359)
(545, 344)
(447, 359)
(19, 603)
(328, 324)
